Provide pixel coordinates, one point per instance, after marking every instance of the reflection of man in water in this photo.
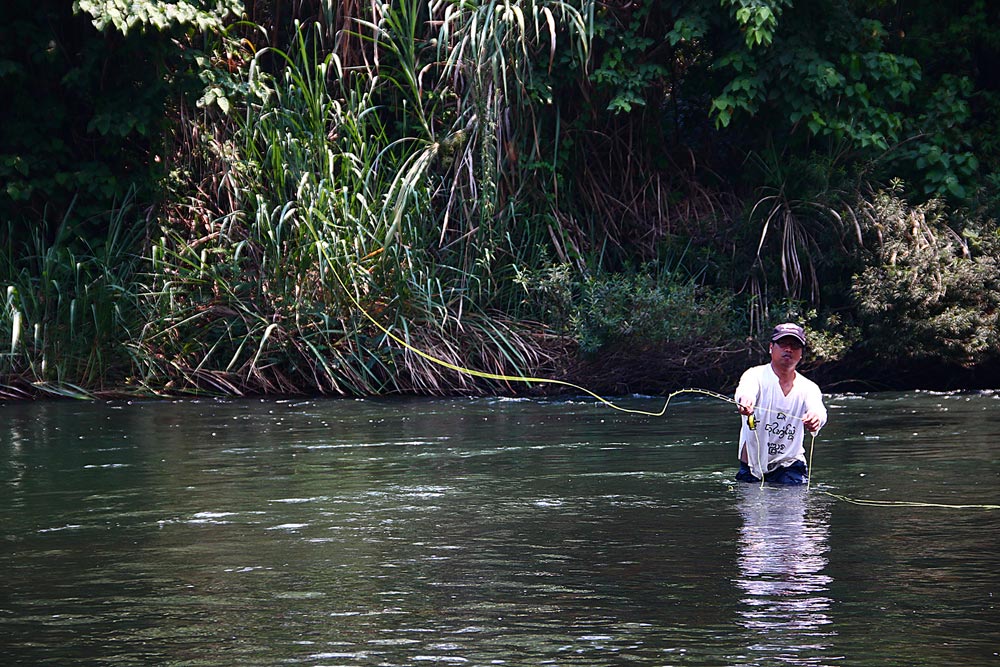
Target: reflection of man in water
(784, 404)
(782, 554)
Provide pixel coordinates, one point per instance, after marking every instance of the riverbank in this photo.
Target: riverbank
(619, 372)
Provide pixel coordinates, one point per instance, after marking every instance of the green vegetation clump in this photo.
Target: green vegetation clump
(931, 291)
(70, 310)
(645, 308)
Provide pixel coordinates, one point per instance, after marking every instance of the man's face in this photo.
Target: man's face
(786, 352)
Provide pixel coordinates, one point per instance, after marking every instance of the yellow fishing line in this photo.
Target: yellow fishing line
(611, 404)
(888, 503)
(907, 503)
(809, 466)
(520, 378)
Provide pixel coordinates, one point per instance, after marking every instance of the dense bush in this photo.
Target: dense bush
(646, 307)
(931, 292)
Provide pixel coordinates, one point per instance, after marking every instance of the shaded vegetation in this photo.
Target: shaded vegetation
(620, 194)
(928, 291)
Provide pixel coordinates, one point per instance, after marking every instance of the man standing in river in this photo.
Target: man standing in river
(780, 404)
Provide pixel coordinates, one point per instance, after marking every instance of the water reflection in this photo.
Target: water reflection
(781, 561)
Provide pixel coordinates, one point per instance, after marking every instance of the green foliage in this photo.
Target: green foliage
(644, 308)
(939, 156)
(928, 292)
(332, 186)
(626, 69)
(126, 15)
(440, 158)
(614, 309)
(803, 234)
(87, 123)
(842, 84)
(831, 338)
(757, 19)
(70, 308)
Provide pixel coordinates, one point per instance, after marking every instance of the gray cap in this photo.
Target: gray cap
(789, 329)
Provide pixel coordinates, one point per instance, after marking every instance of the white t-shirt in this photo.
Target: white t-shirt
(777, 440)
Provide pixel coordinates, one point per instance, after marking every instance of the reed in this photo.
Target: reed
(70, 309)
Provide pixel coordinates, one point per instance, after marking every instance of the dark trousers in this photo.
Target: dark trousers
(793, 474)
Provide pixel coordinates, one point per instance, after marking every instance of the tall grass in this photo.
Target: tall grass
(69, 309)
(347, 189)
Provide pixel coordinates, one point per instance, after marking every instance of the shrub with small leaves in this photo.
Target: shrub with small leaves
(928, 293)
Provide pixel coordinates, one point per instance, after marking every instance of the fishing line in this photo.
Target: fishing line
(752, 425)
(881, 503)
(519, 378)
(751, 419)
(809, 466)
(887, 503)
(907, 503)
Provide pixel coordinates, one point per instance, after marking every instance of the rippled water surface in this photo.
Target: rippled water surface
(491, 532)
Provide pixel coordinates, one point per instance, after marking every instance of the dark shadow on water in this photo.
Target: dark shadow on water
(781, 561)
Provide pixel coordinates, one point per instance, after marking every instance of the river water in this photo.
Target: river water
(493, 532)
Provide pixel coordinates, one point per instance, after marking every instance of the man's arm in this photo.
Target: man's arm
(747, 392)
(815, 417)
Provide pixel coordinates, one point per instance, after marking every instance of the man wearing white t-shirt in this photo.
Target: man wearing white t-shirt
(780, 405)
